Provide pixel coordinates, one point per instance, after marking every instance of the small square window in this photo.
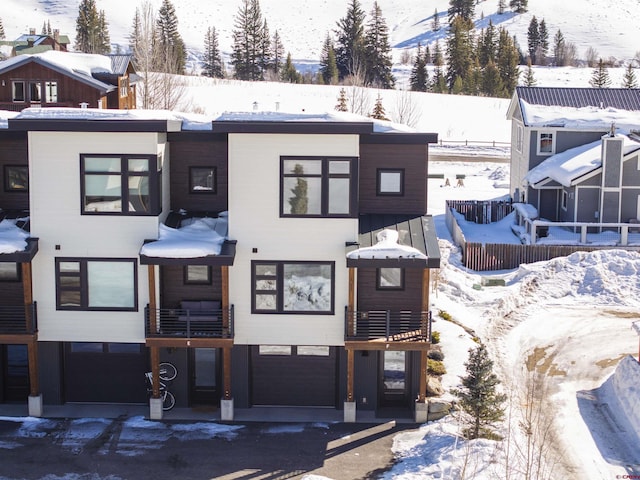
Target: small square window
(197, 275)
(202, 179)
(390, 279)
(390, 182)
(546, 143)
(9, 272)
(16, 178)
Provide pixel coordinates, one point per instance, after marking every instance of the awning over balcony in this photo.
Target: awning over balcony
(22, 256)
(418, 233)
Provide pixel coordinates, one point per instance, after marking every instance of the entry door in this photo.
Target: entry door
(204, 376)
(15, 361)
(394, 379)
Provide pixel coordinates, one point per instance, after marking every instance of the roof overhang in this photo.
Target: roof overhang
(417, 231)
(300, 127)
(225, 258)
(53, 124)
(399, 138)
(24, 256)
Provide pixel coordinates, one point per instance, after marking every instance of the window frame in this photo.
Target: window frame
(214, 186)
(325, 177)
(278, 292)
(8, 185)
(380, 172)
(188, 281)
(83, 283)
(18, 273)
(14, 83)
(519, 138)
(543, 134)
(380, 286)
(50, 91)
(564, 200)
(153, 175)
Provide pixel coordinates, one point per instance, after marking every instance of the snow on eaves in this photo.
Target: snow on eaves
(584, 118)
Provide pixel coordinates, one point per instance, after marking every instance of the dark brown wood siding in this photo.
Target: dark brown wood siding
(13, 151)
(370, 298)
(12, 293)
(70, 92)
(189, 151)
(411, 158)
(173, 289)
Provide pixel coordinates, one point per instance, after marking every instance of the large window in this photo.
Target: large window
(317, 187)
(293, 287)
(96, 284)
(120, 184)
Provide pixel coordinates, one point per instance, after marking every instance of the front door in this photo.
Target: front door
(15, 372)
(204, 376)
(394, 379)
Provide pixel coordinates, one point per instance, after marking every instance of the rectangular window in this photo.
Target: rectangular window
(313, 351)
(51, 92)
(35, 95)
(519, 138)
(565, 199)
(197, 275)
(274, 350)
(16, 178)
(293, 287)
(9, 272)
(120, 184)
(317, 187)
(390, 279)
(546, 143)
(202, 179)
(390, 182)
(17, 91)
(96, 284)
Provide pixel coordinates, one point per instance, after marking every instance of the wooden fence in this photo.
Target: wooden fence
(481, 212)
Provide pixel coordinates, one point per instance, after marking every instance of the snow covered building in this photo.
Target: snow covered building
(274, 259)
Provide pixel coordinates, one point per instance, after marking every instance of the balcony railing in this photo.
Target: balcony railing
(403, 325)
(18, 319)
(179, 323)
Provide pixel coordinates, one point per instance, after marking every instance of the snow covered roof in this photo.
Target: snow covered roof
(591, 118)
(386, 247)
(12, 238)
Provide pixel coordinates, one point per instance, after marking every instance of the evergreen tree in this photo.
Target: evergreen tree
(328, 67)
(289, 72)
(487, 45)
(265, 57)
(299, 202)
(248, 41)
(559, 49)
(378, 51)
(172, 51)
(478, 396)
(438, 57)
(502, 6)
(435, 24)
(419, 79)
(459, 51)
(2, 34)
(491, 82)
(277, 52)
(600, 76)
(103, 41)
(461, 8)
(427, 55)
(212, 65)
(378, 110)
(439, 82)
(543, 43)
(629, 80)
(342, 105)
(89, 23)
(519, 6)
(44, 28)
(135, 35)
(508, 59)
(529, 79)
(533, 39)
(350, 44)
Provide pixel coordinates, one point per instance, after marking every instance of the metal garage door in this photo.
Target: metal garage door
(293, 375)
(105, 372)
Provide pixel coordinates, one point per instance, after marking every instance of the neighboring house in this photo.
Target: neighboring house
(274, 259)
(575, 155)
(32, 43)
(66, 79)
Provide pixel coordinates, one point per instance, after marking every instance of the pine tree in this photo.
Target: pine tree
(629, 80)
(559, 49)
(350, 44)
(487, 45)
(519, 6)
(533, 39)
(600, 76)
(543, 44)
(529, 79)
(435, 24)
(342, 105)
(103, 41)
(289, 72)
(248, 38)
(134, 36)
(419, 79)
(328, 67)
(502, 6)
(439, 82)
(212, 65)
(170, 44)
(87, 24)
(44, 28)
(478, 396)
(438, 57)
(2, 34)
(461, 8)
(508, 59)
(378, 51)
(378, 110)
(277, 52)
(491, 82)
(265, 57)
(459, 51)
(427, 55)
(299, 202)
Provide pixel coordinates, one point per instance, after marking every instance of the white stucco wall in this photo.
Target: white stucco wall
(254, 220)
(54, 162)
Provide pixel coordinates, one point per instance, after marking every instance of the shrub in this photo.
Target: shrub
(435, 337)
(435, 367)
(444, 315)
(435, 355)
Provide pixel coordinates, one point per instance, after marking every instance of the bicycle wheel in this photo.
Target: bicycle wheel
(168, 371)
(168, 401)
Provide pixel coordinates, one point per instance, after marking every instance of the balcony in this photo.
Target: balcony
(184, 324)
(388, 326)
(18, 320)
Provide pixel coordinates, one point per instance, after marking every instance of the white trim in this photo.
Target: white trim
(519, 141)
(541, 153)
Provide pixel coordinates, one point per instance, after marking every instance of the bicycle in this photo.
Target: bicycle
(168, 372)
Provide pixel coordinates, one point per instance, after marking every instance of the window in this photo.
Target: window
(96, 284)
(519, 138)
(51, 92)
(293, 287)
(9, 272)
(317, 187)
(313, 351)
(202, 179)
(546, 143)
(34, 92)
(390, 279)
(274, 350)
(565, 199)
(17, 89)
(16, 178)
(96, 347)
(390, 182)
(197, 275)
(120, 184)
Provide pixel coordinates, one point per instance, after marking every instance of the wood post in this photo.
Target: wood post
(422, 393)
(34, 382)
(351, 302)
(27, 289)
(226, 372)
(350, 359)
(426, 279)
(153, 320)
(224, 272)
(155, 371)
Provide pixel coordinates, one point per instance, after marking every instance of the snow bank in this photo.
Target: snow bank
(626, 385)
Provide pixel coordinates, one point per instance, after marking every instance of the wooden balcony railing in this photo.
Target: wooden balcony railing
(403, 325)
(18, 319)
(179, 323)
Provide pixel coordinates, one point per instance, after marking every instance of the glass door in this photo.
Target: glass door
(394, 378)
(204, 381)
(15, 372)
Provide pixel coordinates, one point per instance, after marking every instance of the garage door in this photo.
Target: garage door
(105, 372)
(293, 375)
